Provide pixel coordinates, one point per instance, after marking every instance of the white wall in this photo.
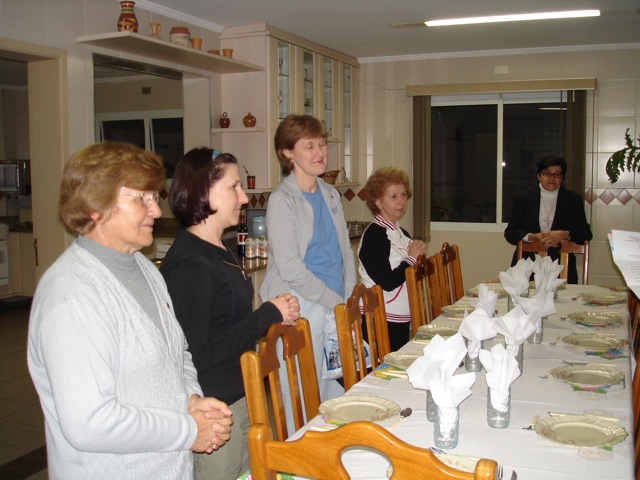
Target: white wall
(386, 129)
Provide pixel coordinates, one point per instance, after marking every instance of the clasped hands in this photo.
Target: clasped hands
(213, 419)
(550, 239)
(288, 306)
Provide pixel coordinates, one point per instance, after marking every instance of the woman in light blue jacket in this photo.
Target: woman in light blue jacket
(309, 249)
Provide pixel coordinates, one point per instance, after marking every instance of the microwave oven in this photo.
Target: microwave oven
(15, 177)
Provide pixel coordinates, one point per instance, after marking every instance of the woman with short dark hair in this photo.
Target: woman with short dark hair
(212, 297)
(549, 214)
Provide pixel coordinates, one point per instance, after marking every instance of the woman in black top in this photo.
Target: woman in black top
(212, 298)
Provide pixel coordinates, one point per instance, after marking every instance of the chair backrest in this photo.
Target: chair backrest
(318, 455)
(296, 343)
(567, 248)
(350, 337)
(425, 290)
(535, 247)
(452, 272)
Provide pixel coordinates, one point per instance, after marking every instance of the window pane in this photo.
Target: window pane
(531, 132)
(168, 141)
(463, 163)
(131, 131)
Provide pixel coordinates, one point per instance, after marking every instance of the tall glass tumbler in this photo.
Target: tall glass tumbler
(446, 427)
(431, 407)
(498, 407)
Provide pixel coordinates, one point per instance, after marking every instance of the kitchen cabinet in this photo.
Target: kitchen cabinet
(22, 263)
(299, 77)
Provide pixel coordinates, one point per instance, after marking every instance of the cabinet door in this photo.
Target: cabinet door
(328, 103)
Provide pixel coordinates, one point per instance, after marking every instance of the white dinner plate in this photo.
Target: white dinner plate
(496, 287)
(459, 462)
(596, 319)
(604, 298)
(402, 359)
(580, 430)
(458, 310)
(352, 408)
(590, 375)
(427, 332)
(590, 341)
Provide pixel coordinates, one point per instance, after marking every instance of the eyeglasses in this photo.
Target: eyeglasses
(145, 198)
(552, 175)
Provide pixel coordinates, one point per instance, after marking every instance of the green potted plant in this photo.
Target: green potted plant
(627, 159)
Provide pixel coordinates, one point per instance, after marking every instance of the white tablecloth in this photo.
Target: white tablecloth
(530, 455)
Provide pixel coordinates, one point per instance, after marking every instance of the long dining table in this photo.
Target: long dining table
(529, 454)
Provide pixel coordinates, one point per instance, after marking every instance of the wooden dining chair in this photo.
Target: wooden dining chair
(567, 248)
(425, 290)
(256, 366)
(319, 455)
(530, 247)
(367, 303)
(453, 286)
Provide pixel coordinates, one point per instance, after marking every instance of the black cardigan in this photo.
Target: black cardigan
(569, 215)
(213, 301)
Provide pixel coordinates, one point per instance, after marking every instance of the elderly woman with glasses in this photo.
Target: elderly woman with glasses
(549, 214)
(107, 356)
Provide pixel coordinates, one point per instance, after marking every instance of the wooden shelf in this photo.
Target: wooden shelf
(168, 52)
(238, 130)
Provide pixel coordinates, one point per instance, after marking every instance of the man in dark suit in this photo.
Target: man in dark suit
(549, 214)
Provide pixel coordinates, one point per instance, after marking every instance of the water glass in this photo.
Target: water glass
(498, 407)
(472, 364)
(536, 337)
(431, 407)
(517, 352)
(446, 427)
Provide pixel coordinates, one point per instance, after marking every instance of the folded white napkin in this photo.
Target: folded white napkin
(516, 279)
(516, 326)
(502, 369)
(541, 303)
(450, 391)
(440, 357)
(476, 327)
(486, 300)
(545, 273)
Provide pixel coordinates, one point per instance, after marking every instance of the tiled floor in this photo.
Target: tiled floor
(21, 420)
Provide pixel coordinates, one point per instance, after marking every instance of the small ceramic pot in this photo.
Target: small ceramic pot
(196, 43)
(227, 52)
(249, 120)
(180, 36)
(224, 121)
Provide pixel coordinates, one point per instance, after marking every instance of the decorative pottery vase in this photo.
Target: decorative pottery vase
(249, 120)
(224, 121)
(180, 36)
(127, 21)
(155, 30)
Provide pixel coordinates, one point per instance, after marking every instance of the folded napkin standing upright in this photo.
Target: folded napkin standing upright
(434, 371)
(515, 280)
(538, 306)
(546, 272)
(516, 326)
(477, 327)
(486, 300)
(502, 370)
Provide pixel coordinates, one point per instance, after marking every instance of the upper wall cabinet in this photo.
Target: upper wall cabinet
(299, 77)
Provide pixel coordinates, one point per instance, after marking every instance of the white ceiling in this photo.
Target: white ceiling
(362, 28)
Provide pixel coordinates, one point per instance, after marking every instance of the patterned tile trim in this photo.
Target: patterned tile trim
(612, 196)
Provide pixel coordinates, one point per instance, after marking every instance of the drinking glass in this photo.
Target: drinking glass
(536, 337)
(517, 352)
(472, 364)
(498, 407)
(446, 427)
(431, 407)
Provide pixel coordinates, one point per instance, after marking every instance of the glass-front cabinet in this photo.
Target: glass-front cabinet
(299, 78)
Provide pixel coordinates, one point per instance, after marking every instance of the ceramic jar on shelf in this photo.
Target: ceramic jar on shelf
(224, 121)
(249, 120)
(180, 36)
(127, 21)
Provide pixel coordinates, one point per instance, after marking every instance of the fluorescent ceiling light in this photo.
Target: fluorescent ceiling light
(513, 18)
